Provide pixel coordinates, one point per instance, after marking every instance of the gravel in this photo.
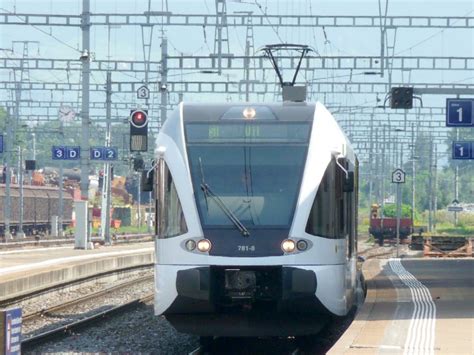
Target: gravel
(137, 331)
(140, 332)
(87, 308)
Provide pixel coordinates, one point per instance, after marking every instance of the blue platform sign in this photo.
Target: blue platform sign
(1, 143)
(97, 153)
(66, 153)
(104, 153)
(10, 320)
(58, 152)
(73, 153)
(460, 112)
(463, 150)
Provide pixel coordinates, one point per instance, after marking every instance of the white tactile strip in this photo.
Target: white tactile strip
(421, 332)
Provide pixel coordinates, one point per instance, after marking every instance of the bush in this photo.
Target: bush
(391, 211)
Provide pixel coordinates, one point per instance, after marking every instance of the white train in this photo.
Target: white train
(256, 219)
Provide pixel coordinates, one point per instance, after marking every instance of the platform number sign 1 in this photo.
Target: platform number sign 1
(1, 143)
(463, 150)
(398, 176)
(460, 112)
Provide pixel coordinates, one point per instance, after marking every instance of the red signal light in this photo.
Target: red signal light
(139, 118)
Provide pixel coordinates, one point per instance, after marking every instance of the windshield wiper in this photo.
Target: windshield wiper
(208, 192)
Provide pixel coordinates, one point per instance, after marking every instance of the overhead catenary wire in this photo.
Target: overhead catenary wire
(42, 31)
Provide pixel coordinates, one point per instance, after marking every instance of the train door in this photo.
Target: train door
(346, 196)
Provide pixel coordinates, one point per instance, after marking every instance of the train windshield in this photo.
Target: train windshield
(254, 169)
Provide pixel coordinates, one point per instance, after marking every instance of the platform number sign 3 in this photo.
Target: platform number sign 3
(398, 176)
(143, 92)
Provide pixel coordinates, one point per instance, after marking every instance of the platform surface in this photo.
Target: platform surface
(27, 270)
(18, 261)
(414, 306)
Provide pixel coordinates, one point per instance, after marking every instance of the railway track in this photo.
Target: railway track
(74, 283)
(70, 328)
(220, 345)
(376, 252)
(47, 311)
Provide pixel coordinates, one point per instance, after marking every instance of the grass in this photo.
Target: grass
(450, 229)
(126, 230)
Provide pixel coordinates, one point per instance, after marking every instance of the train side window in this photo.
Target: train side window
(331, 213)
(322, 221)
(171, 221)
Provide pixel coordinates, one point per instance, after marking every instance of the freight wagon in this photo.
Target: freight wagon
(386, 228)
(40, 203)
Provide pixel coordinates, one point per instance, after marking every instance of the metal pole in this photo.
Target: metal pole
(20, 233)
(85, 59)
(413, 170)
(150, 207)
(106, 227)
(139, 203)
(219, 23)
(164, 80)
(371, 158)
(399, 198)
(61, 179)
(34, 145)
(7, 209)
(456, 184)
(384, 165)
(435, 187)
(247, 71)
(430, 211)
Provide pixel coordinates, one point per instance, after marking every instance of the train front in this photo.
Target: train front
(233, 257)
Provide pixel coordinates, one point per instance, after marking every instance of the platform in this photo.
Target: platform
(414, 306)
(27, 270)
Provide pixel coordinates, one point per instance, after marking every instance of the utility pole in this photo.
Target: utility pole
(430, 214)
(456, 184)
(139, 194)
(61, 179)
(413, 170)
(371, 158)
(8, 155)
(106, 188)
(20, 233)
(384, 175)
(221, 23)
(399, 213)
(85, 59)
(164, 81)
(435, 183)
(249, 49)
(247, 71)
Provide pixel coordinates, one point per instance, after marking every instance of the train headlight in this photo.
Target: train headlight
(204, 245)
(288, 246)
(302, 245)
(190, 245)
(249, 113)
